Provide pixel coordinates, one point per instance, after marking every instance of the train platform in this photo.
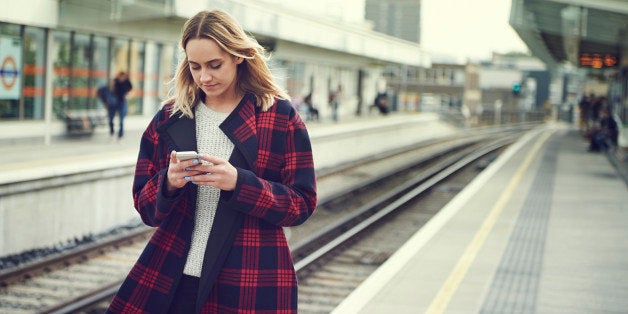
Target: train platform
(543, 229)
(74, 154)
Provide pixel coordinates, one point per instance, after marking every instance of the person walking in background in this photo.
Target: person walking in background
(219, 244)
(312, 112)
(121, 88)
(334, 102)
(105, 94)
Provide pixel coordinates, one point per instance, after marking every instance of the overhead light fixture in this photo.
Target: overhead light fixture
(574, 20)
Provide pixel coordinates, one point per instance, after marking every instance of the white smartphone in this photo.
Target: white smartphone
(185, 155)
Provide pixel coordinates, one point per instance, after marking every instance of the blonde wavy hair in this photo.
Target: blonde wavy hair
(253, 74)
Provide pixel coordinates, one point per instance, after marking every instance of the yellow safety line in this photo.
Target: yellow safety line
(442, 299)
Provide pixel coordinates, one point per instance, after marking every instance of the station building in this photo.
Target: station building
(55, 54)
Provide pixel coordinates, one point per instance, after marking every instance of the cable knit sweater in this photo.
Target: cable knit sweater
(212, 141)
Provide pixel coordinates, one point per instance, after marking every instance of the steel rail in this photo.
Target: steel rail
(438, 173)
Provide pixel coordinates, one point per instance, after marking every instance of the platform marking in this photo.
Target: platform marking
(385, 274)
(449, 288)
(515, 284)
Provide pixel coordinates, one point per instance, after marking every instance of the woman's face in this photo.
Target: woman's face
(213, 69)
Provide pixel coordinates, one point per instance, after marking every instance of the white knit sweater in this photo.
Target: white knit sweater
(211, 141)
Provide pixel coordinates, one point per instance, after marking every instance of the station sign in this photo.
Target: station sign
(598, 60)
(10, 68)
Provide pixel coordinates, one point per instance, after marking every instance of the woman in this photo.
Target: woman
(219, 245)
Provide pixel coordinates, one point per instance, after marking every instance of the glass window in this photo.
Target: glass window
(79, 82)
(10, 103)
(60, 54)
(278, 69)
(422, 75)
(100, 67)
(349, 83)
(136, 75)
(459, 77)
(9, 29)
(34, 72)
(151, 87)
(296, 82)
(167, 69)
(120, 56)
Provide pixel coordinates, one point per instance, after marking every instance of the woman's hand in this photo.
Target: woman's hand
(180, 172)
(218, 173)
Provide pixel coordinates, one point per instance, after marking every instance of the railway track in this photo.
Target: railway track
(353, 248)
(64, 283)
(83, 278)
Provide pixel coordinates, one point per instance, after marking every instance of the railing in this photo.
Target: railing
(492, 117)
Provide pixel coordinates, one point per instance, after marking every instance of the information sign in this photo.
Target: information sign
(10, 68)
(598, 60)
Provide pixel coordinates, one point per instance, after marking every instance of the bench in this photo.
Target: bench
(84, 121)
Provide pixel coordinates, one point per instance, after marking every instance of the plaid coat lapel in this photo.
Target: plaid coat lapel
(240, 127)
(179, 133)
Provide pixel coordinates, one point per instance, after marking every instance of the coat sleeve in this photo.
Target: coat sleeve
(292, 200)
(149, 197)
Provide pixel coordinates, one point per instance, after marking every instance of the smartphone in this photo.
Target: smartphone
(185, 155)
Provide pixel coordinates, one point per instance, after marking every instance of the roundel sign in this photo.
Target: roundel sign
(10, 63)
(8, 72)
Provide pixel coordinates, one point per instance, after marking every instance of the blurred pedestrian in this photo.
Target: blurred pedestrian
(381, 103)
(219, 246)
(105, 94)
(605, 134)
(334, 102)
(312, 112)
(121, 88)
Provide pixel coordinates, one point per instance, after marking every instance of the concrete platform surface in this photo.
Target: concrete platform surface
(541, 230)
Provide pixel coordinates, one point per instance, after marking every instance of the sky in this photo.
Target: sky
(467, 29)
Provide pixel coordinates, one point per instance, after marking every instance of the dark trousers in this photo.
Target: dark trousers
(121, 110)
(185, 297)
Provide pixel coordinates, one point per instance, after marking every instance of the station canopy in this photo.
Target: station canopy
(583, 33)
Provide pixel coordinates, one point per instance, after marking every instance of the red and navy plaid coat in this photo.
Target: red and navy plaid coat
(247, 265)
